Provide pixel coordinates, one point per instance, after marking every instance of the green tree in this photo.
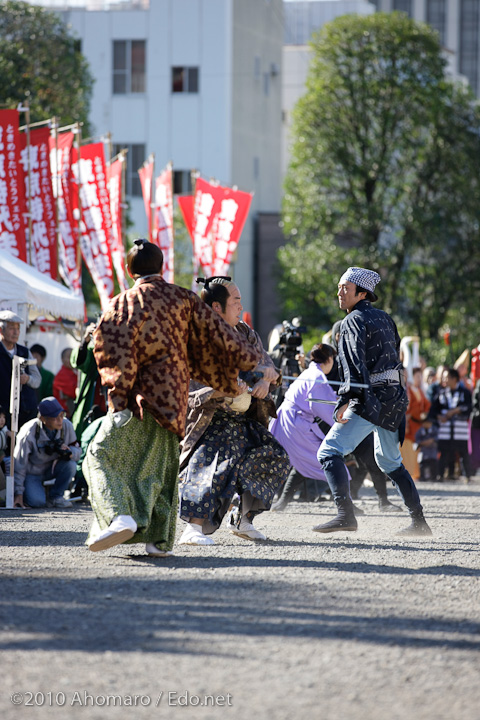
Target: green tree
(183, 251)
(384, 174)
(40, 61)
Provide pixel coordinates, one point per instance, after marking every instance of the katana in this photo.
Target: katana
(329, 382)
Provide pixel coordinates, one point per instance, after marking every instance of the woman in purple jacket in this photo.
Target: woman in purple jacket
(301, 425)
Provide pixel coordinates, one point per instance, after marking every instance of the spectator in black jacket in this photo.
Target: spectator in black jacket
(30, 377)
(452, 410)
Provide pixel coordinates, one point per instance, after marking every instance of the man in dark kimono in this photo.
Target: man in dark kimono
(368, 353)
(228, 449)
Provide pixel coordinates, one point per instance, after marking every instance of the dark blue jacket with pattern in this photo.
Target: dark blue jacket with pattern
(369, 343)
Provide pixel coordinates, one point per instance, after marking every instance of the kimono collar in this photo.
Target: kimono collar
(148, 278)
(361, 305)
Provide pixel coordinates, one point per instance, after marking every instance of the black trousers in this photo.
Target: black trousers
(448, 452)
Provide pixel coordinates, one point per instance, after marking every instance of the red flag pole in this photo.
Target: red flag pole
(123, 203)
(54, 130)
(152, 200)
(26, 109)
(78, 139)
(194, 174)
(170, 167)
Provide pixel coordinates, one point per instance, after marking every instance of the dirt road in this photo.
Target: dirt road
(360, 625)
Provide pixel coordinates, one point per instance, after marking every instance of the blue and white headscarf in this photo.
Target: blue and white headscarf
(365, 279)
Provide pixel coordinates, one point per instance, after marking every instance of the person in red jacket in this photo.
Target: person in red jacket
(65, 384)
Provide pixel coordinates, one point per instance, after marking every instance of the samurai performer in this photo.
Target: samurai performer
(150, 341)
(228, 450)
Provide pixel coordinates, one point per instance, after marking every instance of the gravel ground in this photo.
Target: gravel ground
(363, 625)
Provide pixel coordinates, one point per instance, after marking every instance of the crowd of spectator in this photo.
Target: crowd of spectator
(442, 424)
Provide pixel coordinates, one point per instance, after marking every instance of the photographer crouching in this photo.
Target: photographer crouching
(46, 448)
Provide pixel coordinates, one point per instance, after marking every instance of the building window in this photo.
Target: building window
(403, 6)
(129, 66)
(182, 182)
(469, 41)
(135, 160)
(184, 79)
(437, 17)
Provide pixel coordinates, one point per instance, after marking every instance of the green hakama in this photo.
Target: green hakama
(133, 470)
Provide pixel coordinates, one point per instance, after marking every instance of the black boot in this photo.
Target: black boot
(385, 505)
(357, 511)
(402, 480)
(293, 481)
(345, 520)
(418, 527)
(337, 478)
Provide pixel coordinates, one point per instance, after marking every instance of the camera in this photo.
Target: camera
(54, 447)
(285, 352)
(291, 336)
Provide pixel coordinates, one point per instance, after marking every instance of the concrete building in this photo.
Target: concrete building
(302, 19)
(458, 24)
(196, 82)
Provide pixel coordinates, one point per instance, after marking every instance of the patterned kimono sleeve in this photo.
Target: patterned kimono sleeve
(115, 349)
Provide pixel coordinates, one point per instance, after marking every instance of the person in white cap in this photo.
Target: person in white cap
(368, 352)
(30, 377)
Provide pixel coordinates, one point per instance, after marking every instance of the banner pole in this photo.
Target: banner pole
(195, 263)
(108, 143)
(78, 138)
(54, 130)
(26, 109)
(123, 154)
(14, 411)
(36, 124)
(152, 200)
(170, 168)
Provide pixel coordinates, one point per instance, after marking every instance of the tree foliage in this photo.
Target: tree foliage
(384, 174)
(40, 61)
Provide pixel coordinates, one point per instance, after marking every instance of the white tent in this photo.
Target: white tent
(30, 294)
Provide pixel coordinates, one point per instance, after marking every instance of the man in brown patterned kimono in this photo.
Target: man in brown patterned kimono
(228, 449)
(150, 341)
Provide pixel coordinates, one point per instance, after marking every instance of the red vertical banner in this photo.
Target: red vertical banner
(38, 187)
(62, 183)
(163, 222)
(115, 179)
(12, 195)
(146, 181)
(90, 175)
(186, 207)
(228, 226)
(205, 206)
